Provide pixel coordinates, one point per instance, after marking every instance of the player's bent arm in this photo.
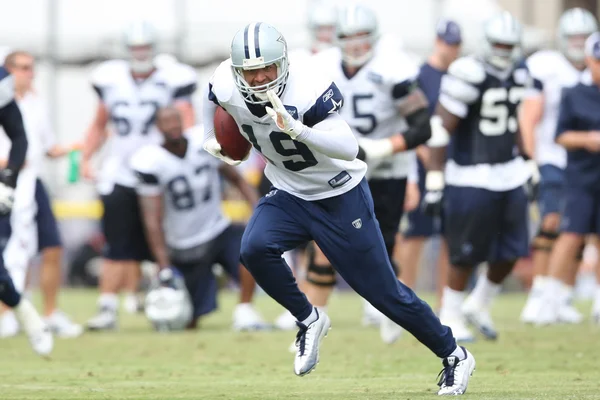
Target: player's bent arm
(233, 176)
(530, 115)
(12, 122)
(332, 137)
(96, 134)
(152, 207)
(576, 140)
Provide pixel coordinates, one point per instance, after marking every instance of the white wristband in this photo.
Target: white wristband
(439, 135)
(434, 181)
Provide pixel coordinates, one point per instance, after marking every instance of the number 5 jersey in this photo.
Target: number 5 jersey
(292, 166)
(132, 107)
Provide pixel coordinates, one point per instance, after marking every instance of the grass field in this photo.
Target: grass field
(561, 362)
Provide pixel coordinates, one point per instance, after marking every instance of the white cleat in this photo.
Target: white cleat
(308, 342)
(389, 330)
(9, 326)
(40, 336)
(105, 320)
(482, 321)
(531, 310)
(462, 334)
(567, 314)
(62, 326)
(548, 314)
(454, 378)
(133, 304)
(371, 315)
(286, 322)
(246, 318)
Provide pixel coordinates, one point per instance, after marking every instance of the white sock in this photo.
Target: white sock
(485, 291)
(452, 301)
(460, 353)
(311, 318)
(108, 300)
(322, 308)
(537, 287)
(596, 305)
(568, 292)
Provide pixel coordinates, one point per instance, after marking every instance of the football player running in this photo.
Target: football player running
(556, 69)
(180, 194)
(11, 121)
(485, 204)
(130, 92)
(388, 114)
(290, 115)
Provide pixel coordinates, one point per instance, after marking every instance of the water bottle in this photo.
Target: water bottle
(74, 158)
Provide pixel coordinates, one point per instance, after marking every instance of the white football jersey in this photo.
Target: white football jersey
(190, 187)
(291, 165)
(371, 98)
(555, 73)
(132, 108)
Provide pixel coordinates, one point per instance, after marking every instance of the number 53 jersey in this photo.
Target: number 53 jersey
(483, 150)
(292, 166)
(132, 107)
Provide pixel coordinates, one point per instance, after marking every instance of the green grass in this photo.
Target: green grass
(214, 363)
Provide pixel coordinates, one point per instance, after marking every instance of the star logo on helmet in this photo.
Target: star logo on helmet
(336, 106)
(281, 39)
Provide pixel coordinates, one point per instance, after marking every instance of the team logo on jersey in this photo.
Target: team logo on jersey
(271, 193)
(292, 110)
(336, 105)
(375, 78)
(328, 95)
(357, 223)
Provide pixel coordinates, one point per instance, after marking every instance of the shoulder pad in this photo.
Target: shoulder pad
(222, 82)
(7, 87)
(108, 72)
(146, 159)
(395, 67)
(542, 63)
(468, 69)
(179, 74)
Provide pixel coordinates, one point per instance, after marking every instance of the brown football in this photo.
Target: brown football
(227, 133)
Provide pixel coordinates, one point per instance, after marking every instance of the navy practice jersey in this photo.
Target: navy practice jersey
(579, 112)
(429, 80)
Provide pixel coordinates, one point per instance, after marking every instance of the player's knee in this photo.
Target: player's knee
(254, 249)
(544, 240)
(551, 222)
(580, 252)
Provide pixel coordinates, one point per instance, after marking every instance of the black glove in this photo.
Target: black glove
(432, 201)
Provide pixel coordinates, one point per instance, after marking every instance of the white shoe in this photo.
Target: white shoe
(106, 319)
(454, 378)
(548, 314)
(40, 336)
(246, 318)
(532, 308)
(286, 322)
(308, 341)
(481, 319)
(567, 314)
(62, 326)
(461, 333)
(371, 315)
(132, 303)
(389, 330)
(9, 326)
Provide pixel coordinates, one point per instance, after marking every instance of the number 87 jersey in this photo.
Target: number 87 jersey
(483, 151)
(292, 166)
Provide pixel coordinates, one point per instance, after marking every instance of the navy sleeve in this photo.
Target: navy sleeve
(211, 95)
(404, 88)
(184, 91)
(147, 178)
(12, 122)
(330, 101)
(565, 113)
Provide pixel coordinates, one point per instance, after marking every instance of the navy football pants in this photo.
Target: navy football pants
(8, 293)
(346, 229)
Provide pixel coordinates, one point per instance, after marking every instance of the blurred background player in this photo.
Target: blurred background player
(36, 216)
(578, 130)
(538, 118)
(388, 114)
(420, 225)
(484, 204)
(40, 336)
(180, 195)
(130, 92)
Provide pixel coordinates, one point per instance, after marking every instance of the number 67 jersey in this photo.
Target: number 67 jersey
(292, 166)
(483, 152)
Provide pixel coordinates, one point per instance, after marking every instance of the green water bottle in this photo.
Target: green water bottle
(74, 159)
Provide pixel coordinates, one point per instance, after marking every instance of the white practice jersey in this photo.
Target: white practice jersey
(132, 108)
(291, 165)
(190, 187)
(371, 98)
(555, 73)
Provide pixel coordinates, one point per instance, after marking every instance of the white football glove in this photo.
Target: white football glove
(282, 118)
(214, 148)
(376, 149)
(7, 198)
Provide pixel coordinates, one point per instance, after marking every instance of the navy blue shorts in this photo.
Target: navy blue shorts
(47, 227)
(551, 190)
(580, 212)
(388, 201)
(122, 226)
(196, 267)
(419, 223)
(481, 225)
